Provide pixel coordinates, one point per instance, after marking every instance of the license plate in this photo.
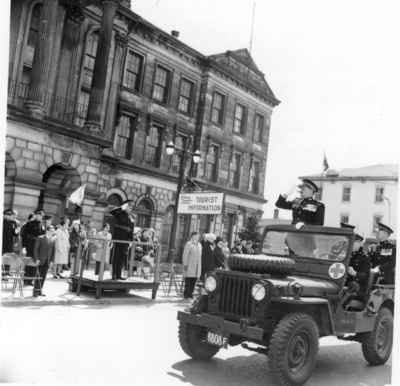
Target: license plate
(217, 339)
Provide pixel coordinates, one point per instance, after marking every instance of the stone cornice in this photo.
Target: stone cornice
(53, 126)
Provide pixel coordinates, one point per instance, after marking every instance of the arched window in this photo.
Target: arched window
(29, 49)
(87, 78)
(144, 211)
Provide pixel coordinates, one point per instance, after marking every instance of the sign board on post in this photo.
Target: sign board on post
(201, 203)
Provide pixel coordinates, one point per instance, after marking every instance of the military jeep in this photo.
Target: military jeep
(282, 301)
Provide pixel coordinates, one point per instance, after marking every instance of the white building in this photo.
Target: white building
(360, 196)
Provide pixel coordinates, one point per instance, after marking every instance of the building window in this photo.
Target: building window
(133, 71)
(29, 49)
(212, 163)
(153, 146)
(376, 219)
(344, 218)
(346, 194)
(161, 84)
(254, 180)
(258, 128)
(90, 58)
(82, 107)
(176, 157)
(144, 211)
(124, 135)
(88, 68)
(217, 108)
(234, 175)
(185, 96)
(379, 194)
(239, 119)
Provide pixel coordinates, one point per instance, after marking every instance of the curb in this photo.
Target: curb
(134, 300)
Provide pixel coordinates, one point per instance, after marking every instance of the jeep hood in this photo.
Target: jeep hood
(311, 286)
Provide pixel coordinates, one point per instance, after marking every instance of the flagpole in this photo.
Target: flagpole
(252, 27)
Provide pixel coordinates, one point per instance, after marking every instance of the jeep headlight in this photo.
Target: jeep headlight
(210, 284)
(258, 292)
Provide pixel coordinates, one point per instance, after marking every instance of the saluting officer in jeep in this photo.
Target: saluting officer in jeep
(305, 209)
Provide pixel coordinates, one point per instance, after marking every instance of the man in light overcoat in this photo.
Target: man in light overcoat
(191, 260)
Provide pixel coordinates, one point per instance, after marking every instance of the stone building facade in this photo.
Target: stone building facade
(95, 94)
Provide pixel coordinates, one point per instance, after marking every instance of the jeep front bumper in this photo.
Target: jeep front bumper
(221, 326)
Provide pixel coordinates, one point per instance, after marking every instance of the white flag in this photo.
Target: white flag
(77, 195)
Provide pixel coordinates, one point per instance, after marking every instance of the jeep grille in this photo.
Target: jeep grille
(235, 295)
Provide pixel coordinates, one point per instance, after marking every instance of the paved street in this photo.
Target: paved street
(137, 344)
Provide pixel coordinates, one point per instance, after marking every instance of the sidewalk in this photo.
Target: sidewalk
(57, 293)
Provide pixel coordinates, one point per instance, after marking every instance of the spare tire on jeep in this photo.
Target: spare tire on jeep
(261, 264)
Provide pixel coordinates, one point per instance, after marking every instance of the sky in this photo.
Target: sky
(332, 64)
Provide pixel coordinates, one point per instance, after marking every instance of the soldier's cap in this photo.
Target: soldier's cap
(48, 217)
(310, 184)
(358, 237)
(9, 212)
(386, 228)
(39, 211)
(347, 226)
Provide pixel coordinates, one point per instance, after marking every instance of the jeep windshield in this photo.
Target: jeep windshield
(305, 244)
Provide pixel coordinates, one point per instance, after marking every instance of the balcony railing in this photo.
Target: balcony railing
(57, 107)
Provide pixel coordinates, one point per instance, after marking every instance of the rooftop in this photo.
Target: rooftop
(378, 171)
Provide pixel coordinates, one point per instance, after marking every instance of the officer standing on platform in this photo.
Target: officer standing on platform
(383, 254)
(123, 230)
(359, 265)
(305, 209)
(32, 230)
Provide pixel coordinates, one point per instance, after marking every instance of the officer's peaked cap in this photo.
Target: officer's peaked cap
(386, 228)
(310, 184)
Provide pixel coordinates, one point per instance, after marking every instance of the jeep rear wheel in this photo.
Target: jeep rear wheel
(293, 349)
(193, 342)
(377, 344)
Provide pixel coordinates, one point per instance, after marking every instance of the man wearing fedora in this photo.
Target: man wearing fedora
(383, 254)
(123, 230)
(305, 209)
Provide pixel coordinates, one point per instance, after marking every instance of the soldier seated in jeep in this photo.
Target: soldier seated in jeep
(284, 300)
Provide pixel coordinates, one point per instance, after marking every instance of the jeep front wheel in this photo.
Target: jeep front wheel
(377, 344)
(193, 341)
(293, 349)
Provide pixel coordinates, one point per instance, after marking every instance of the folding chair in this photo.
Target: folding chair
(16, 272)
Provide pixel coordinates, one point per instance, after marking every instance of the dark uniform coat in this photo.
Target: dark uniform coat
(9, 234)
(31, 231)
(361, 263)
(306, 210)
(385, 258)
(123, 225)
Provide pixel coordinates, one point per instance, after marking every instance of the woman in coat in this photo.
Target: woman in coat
(191, 260)
(61, 247)
(104, 247)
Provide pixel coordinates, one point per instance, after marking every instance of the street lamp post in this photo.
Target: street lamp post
(196, 156)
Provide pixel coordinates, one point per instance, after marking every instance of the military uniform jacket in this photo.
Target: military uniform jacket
(9, 234)
(385, 258)
(31, 231)
(361, 263)
(306, 210)
(123, 225)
